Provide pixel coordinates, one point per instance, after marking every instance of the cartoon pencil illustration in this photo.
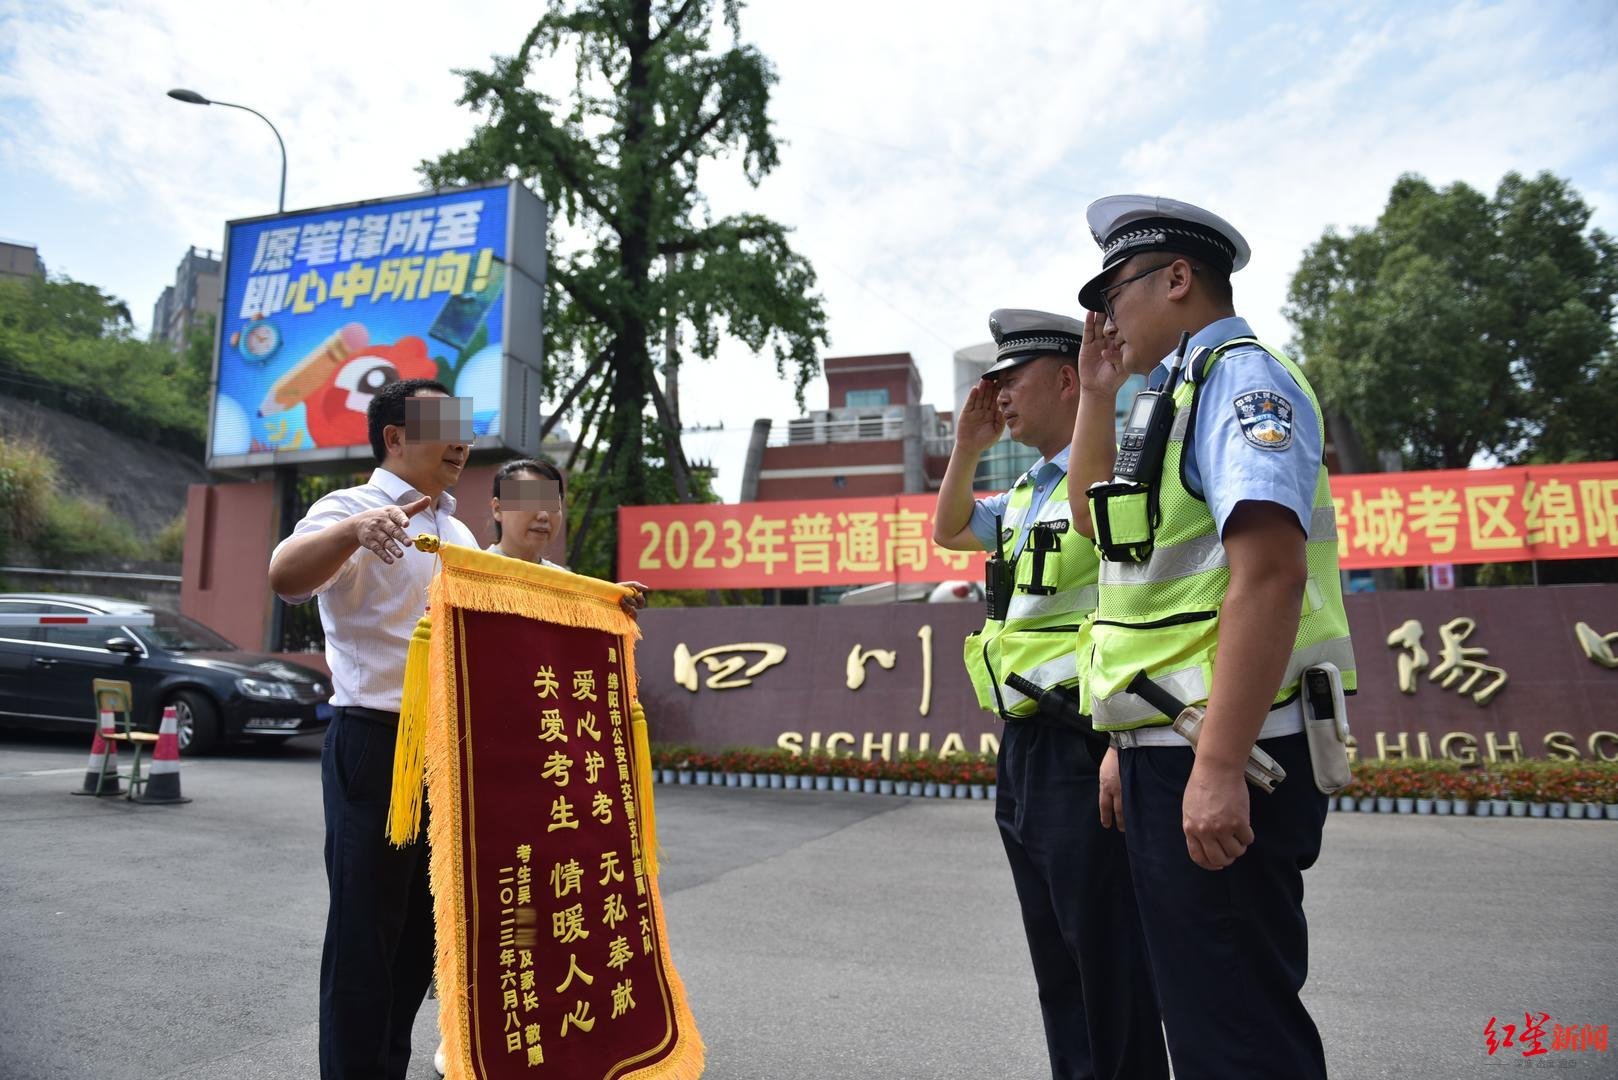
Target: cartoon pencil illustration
(314, 370)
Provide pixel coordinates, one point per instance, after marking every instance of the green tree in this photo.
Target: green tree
(634, 252)
(1461, 323)
(70, 346)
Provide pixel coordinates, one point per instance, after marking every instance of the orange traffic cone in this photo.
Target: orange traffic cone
(163, 777)
(101, 777)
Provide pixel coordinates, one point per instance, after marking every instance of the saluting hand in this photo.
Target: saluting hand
(981, 422)
(1101, 363)
(1215, 815)
(382, 531)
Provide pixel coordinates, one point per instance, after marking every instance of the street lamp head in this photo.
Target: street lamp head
(190, 97)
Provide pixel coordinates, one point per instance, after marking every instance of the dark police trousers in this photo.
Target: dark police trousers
(378, 956)
(1078, 909)
(1229, 948)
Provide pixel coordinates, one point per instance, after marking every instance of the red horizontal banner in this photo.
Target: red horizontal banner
(1383, 519)
(1477, 515)
(791, 544)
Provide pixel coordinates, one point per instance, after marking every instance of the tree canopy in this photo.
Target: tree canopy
(70, 346)
(646, 96)
(1462, 324)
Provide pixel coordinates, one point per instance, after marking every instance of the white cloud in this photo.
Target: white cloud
(939, 158)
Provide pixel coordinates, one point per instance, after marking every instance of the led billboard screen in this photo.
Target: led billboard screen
(322, 308)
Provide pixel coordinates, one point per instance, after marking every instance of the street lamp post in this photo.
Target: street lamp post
(286, 477)
(191, 97)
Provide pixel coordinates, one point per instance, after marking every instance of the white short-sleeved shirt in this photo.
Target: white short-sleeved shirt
(1256, 436)
(369, 608)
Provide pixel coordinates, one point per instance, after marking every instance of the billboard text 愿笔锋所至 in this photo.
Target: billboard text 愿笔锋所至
(322, 308)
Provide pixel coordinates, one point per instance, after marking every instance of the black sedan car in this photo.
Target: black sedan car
(219, 692)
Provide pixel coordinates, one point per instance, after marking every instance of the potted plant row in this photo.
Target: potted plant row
(958, 776)
(1557, 789)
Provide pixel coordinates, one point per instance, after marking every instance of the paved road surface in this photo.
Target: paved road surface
(819, 935)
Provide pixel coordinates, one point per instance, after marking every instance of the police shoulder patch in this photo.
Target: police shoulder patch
(1265, 418)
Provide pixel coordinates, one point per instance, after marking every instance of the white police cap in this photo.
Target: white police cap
(1023, 333)
(1126, 225)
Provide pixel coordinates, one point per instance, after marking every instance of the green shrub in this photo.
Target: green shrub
(169, 544)
(77, 529)
(27, 481)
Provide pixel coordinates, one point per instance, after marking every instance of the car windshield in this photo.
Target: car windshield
(177, 633)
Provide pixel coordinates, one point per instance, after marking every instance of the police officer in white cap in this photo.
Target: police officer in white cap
(1071, 874)
(1216, 530)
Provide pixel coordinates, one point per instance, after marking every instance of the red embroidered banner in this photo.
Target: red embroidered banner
(553, 959)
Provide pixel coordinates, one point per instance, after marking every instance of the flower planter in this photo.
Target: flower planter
(1483, 807)
(1498, 807)
(682, 776)
(791, 781)
(1558, 809)
(993, 792)
(1575, 810)
(963, 791)
(1519, 807)
(1424, 806)
(839, 783)
(1384, 804)
(1367, 804)
(777, 780)
(822, 783)
(1346, 802)
(929, 789)
(700, 777)
(761, 779)
(884, 787)
(1592, 810)
(1441, 807)
(1612, 811)
(744, 779)
(1405, 804)
(917, 788)
(1536, 809)
(977, 791)
(1461, 807)
(665, 776)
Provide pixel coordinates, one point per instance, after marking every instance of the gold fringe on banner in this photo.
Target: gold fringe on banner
(643, 774)
(409, 750)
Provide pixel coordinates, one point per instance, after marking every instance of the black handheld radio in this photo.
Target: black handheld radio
(1146, 431)
(997, 578)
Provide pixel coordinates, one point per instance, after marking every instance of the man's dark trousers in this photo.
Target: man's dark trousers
(378, 957)
(1229, 948)
(1078, 909)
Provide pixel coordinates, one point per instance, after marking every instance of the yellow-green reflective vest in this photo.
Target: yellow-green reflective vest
(1038, 638)
(1162, 616)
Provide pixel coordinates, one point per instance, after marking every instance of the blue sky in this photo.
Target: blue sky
(937, 165)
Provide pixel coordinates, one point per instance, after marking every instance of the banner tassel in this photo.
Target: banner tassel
(643, 777)
(410, 751)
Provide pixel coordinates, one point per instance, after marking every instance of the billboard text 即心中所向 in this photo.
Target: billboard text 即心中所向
(323, 308)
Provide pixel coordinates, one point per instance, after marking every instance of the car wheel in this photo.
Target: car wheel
(198, 721)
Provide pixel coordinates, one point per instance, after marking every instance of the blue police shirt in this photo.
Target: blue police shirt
(1256, 436)
(1045, 475)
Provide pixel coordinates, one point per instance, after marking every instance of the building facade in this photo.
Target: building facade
(191, 301)
(20, 261)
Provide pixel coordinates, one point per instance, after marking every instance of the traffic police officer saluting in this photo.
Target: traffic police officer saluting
(1071, 875)
(1208, 560)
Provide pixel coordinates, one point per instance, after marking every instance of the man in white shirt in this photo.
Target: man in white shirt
(352, 551)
